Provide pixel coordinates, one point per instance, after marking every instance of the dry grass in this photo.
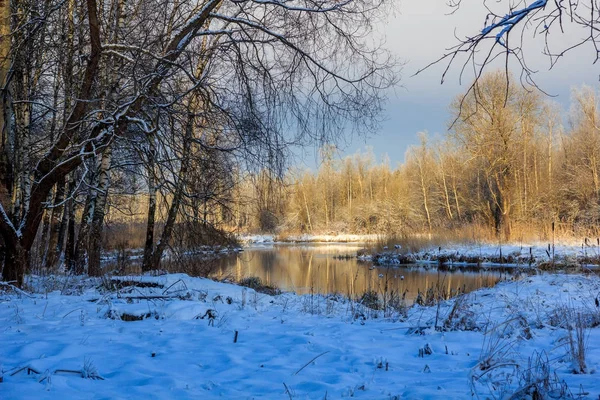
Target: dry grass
(577, 343)
(254, 282)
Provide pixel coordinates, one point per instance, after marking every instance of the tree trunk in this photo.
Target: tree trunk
(95, 239)
(99, 211)
(70, 213)
(310, 227)
(54, 247)
(6, 168)
(177, 196)
(43, 247)
(426, 205)
(147, 264)
(47, 212)
(80, 260)
(16, 262)
(506, 220)
(446, 196)
(165, 238)
(456, 198)
(62, 230)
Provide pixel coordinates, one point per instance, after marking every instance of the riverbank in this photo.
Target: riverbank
(306, 238)
(173, 336)
(538, 255)
(541, 255)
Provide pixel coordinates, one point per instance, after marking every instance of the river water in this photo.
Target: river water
(318, 268)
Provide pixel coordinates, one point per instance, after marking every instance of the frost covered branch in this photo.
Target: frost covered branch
(509, 31)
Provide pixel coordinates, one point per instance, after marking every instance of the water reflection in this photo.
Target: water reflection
(317, 268)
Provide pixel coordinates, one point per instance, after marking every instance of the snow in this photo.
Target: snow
(513, 18)
(340, 238)
(289, 346)
(256, 239)
(583, 254)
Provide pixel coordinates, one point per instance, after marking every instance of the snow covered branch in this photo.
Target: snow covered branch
(509, 32)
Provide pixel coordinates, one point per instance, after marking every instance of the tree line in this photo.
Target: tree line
(511, 166)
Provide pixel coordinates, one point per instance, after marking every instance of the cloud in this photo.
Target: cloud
(420, 33)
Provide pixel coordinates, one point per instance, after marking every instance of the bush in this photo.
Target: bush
(370, 299)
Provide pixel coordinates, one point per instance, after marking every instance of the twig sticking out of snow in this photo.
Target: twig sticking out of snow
(88, 371)
(71, 312)
(173, 284)
(287, 390)
(307, 364)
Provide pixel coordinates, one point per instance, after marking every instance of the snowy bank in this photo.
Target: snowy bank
(256, 239)
(306, 238)
(539, 255)
(178, 337)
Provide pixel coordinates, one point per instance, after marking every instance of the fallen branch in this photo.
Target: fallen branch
(144, 297)
(16, 289)
(81, 373)
(153, 297)
(29, 369)
(124, 283)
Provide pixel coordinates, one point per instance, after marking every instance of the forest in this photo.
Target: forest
(512, 166)
(109, 104)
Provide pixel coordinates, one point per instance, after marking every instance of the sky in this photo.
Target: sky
(419, 33)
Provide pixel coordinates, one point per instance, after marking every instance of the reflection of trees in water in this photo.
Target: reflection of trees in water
(306, 269)
(193, 265)
(268, 260)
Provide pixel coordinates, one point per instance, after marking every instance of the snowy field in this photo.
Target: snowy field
(201, 339)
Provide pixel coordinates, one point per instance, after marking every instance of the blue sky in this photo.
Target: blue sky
(418, 34)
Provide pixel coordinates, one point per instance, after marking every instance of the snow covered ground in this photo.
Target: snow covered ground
(201, 339)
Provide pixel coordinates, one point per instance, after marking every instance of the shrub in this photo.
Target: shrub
(254, 282)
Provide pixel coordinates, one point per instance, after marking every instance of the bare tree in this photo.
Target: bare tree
(422, 158)
(580, 172)
(273, 73)
(490, 124)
